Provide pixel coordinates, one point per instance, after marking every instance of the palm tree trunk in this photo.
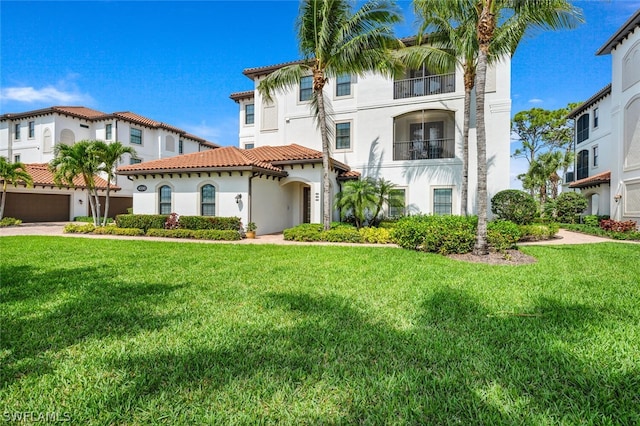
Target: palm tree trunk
(106, 203)
(464, 196)
(318, 85)
(4, 198)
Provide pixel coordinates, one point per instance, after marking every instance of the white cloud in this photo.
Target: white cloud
(535, 101)
(48, 94)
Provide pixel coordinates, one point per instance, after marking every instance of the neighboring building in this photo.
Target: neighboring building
(30, 137)
(607, 144)
(408, 131)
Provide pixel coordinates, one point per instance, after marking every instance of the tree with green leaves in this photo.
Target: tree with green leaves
(335, 41)
(80, 159)
(386, 195)
(110, 154)
(357, 198)
(507, 18)
(12, 174)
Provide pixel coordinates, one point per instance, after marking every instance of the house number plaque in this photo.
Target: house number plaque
(142, 188)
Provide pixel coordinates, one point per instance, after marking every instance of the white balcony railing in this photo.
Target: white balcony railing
(423, 86)
(423, 150)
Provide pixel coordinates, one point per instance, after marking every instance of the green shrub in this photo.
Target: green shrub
(590, 220)
(113, 230)
(141, 221)
(375, 235)
(304, 232)
(9, 221)
(215, 234)
(388, 224)
(342, 234)
(436, 234)
(72, 228)
(515, 206)
(538, 231)
(502, 234)
(210, 222)
(629, 235)
(89, 219)
(569, 205)
(170, 233)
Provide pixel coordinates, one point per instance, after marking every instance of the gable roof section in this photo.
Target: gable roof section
(238, 96)
(42, 176)
(595, 180)
(74, 111)
(602, 93)
(619, 36)
(266, 159)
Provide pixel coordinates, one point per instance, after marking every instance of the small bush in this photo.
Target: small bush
(89, 219)
(590, 220)
(215, 234)
(538, 231)
(388, 224)
(169, 233)
(210, 222)
(141, 221)
(436, 234)
(72, 228)
(569, 205)
(113, 230)
(629, 235)
(515, 206)
(172, 222)
(375, 235)
(503, 235)
(342, 234)
(617, 226)
(9, 221)
(304, 232)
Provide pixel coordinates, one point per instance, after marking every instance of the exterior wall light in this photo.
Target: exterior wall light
(617, 197)
(80, 202)
(238, 198)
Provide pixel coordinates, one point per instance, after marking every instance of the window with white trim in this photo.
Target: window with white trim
(135, 136)
(108, 131)
(582, 128)
(306, 88)
(596, 117)
(343, 135)
(442, 201)
(249, 114)
(208, 200)
(594, 152)
(397, 207)
(32, 129)
(164, 205)
(343, 85)
(16, 131)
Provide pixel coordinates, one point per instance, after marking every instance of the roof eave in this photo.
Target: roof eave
(624, 31)
(202, 170)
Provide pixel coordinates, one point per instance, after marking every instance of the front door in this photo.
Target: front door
(306, 204)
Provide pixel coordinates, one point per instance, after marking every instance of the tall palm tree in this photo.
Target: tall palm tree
(12, 173)
(80, 159)
(110, 154)
(335, 41)
(510, 19)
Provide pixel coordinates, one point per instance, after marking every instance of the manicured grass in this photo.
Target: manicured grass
(143, 332)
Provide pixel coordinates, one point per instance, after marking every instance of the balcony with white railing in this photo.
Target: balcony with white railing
(424, 86)
(431, 149)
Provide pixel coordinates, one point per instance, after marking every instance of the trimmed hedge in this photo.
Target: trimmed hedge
(89, 219)
(503, 235)
(339, 233)
(436, 234)
(375, 235)
(141, 221)
(202, 234)
(113, 230)
(591, 230)
(210, 222)
(515, 206)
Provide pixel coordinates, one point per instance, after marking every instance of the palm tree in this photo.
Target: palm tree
(80, 159)
(509, 19)
(335, 41)
(357, 197)
(385, 194)
(12, 173)
(110, 154)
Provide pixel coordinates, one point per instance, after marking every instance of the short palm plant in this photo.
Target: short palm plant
(12, 173)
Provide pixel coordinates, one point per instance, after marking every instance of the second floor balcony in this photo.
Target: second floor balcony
(424, 86)
(429, 149)
(424, 135)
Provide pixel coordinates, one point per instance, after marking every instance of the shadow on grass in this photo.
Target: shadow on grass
(330, 363)
(61, 307)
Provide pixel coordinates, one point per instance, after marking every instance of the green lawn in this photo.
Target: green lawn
(140, 332)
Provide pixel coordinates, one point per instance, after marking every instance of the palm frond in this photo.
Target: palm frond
(282, 80)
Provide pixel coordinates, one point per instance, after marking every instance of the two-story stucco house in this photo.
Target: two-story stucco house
(607, 125)
(407, 131)
(30, 137)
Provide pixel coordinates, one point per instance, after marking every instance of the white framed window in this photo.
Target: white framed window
(135, 136)
(164, 199)
(208, 200)
(134, 160)
(32, 129)
(249, 114)
(595, 154)
(343, 135)
(596, 117)
(343, 85)
(306, 88)
(442, 201)
(16, 131)
(16, 158)
(399, 196)
(249, 145)
(108, 131)
(180, 146)
(582, 130)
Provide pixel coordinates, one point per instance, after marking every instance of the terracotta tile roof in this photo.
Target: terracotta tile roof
(265, 158)
(229, 157)
(247, 94)
(351, 174)
(42, 176)
(595, 180)
(75, 111)
(139, 119)
(257, 71)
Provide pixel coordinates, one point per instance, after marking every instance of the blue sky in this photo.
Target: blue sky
(177, 62)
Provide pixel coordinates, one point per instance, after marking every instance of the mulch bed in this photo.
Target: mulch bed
(510, 257)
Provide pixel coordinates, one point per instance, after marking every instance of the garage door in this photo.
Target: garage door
(37, 207)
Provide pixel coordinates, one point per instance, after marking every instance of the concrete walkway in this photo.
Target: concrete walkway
(56, 229)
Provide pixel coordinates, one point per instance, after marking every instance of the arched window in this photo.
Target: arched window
(582, 130)
(208, 200)
(583, 165)
(165, 199)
